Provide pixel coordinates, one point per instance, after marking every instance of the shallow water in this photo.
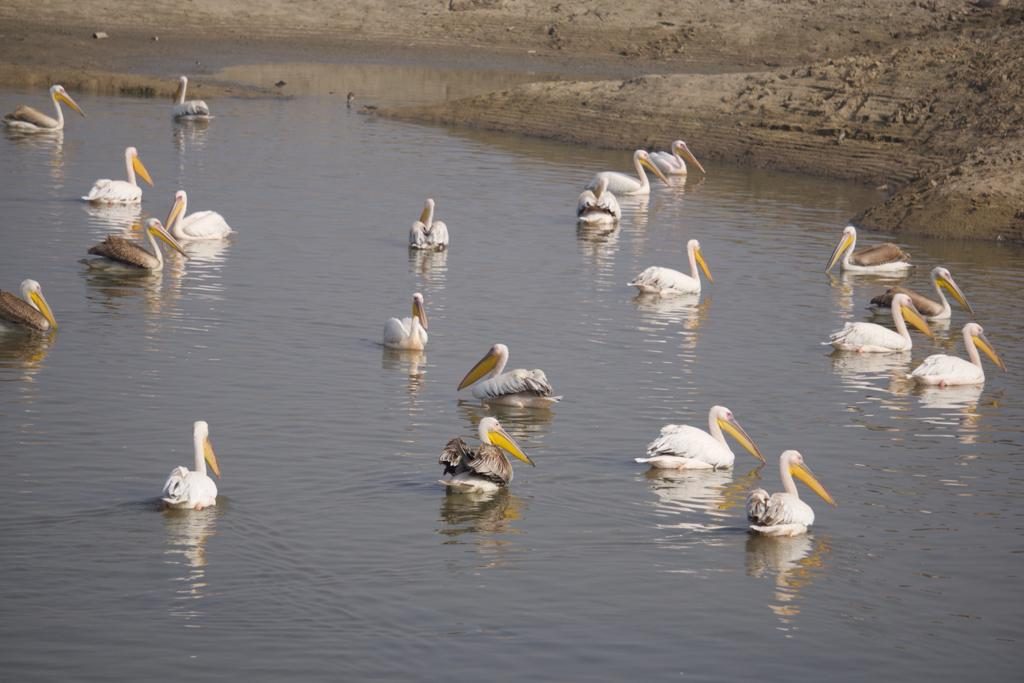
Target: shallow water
(334, 553)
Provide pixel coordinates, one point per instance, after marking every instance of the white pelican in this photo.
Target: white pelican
(191, 109)
(674, 162)
(426, 233)
(519, 388)
(666, 281)
(784, 514)
(29, 120)
(408, 333)
(599, 206)
(627, 185)
(30, 312)
(194, 490)
(881, 258)
(872, 338)
(929, 309)
(943, 370)
(486, 468)
(684, 447)
(117, 253)
(106, 191)
(201, 225)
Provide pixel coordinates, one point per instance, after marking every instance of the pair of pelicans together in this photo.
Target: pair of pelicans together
(27, 119)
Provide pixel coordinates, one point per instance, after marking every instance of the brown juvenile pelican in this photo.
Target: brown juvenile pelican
(881, 258)
(520, 388)
(190, 109)
(117, 253)
(784, 514)
(486, 468)
(929, 309)
(30, 312)
(674, 162)
(29, 120)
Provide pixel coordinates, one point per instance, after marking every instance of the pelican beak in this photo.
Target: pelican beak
(951, 287)
(66, 99)
(500, 438)
(425, 214)
(160, 232)
(419, 312)
(734, 429)
(40, 301)
(804, 474)
(141, 170)
(177, 92)
(843, 245)
(703, 265)
(655, 170)
(982, 343)
(175, 212)
(485, 365)
(211, 457)
(912, 317)
(688, 155)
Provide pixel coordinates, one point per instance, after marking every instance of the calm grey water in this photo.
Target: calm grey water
(334, 554)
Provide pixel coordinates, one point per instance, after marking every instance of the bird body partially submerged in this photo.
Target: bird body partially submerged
(485, 468)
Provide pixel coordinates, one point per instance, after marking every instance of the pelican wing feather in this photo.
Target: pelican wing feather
(16, 310)
(487, 461)
(125, 251)
(33, 116)
(879, 254)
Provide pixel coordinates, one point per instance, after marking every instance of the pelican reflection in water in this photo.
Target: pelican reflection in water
(187, 535)
(792, 563)
(483, 521)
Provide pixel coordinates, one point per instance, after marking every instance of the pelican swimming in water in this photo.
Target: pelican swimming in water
(599, 206)
(29, 120)
(627, 185)
(188, 109)
(201, 225)
(117, 253)
(784, 514)
(682, 447)
(929, 309)
(873, 338)
(106, 191)
(485, 469)
(519, 388)
(666, 281)
(30, 312)
(194, 490)
(426, 233)
(881, 258)
(674, 162)
(408, 333)
(942, 370)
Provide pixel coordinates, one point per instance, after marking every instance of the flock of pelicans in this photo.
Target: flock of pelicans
(487, 467)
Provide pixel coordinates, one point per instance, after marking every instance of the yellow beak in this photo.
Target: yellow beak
(419, 312)
(66, 99)
(483, 366)
(501, 439)
(911, 316)
(166, 237)
(211, 457)
(804, 474)
(843, 245)
(703, 265)
(952, 288)
(734, 429)
(40, 301)
(655, 170)
(141, 170)
(986, 347)
(175, 212)
(425, 214)
(688, 155)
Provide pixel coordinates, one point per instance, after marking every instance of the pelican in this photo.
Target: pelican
(485, 469)
(682, 447)
(117, 253)
(408, 333)
(666, 281)
(929, 309)
(426, 233)
(191, 109)
(944, 371)
(29, 120)
(30, 312)
(598, 206)
(881, 258)
(872, 338)
(201, 225)
(784, 514)
(194, 490)
(674, 162)
(627, 185)
(519, 388)
(106, 191)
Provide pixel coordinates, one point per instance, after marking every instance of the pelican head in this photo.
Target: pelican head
(693, 246)
(846, 243)
(428, 212)
(155, 228)
(133, 158)
(33, 294)
(201, 435)
(903, 303)
(645, 160)
(727, 422)
(680, 148)
(793, 462)
(944, 279)
(59, 94)
(417, 309)
(977, 335)
(491, 431)
(497, 354)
